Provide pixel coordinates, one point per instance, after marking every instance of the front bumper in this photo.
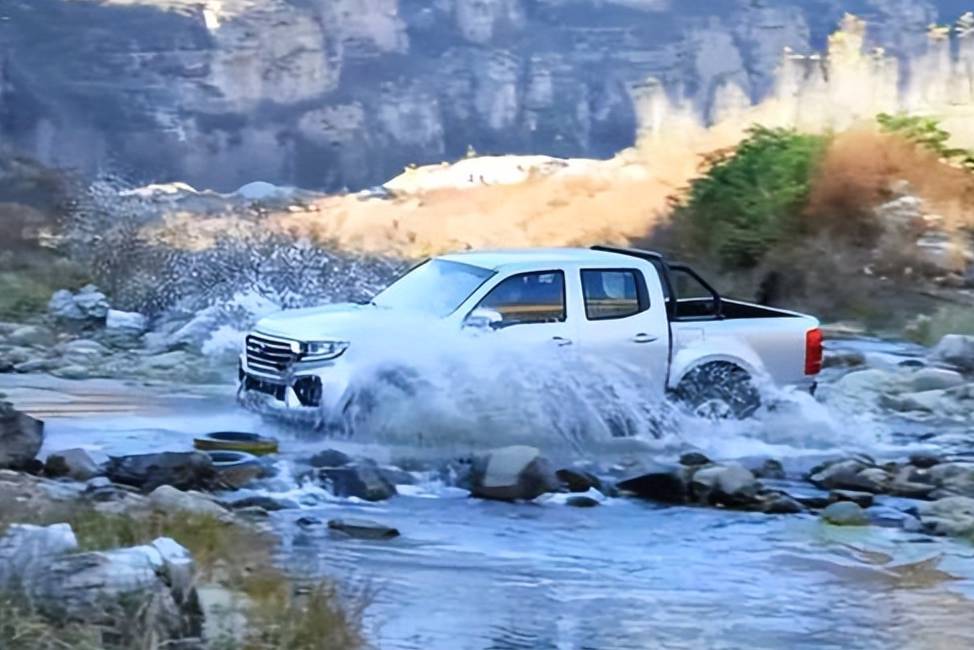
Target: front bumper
(314, 386)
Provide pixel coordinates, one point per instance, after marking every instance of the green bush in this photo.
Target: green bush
(750, 199)
(926, 132)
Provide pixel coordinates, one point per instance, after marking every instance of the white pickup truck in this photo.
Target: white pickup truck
(626, 306)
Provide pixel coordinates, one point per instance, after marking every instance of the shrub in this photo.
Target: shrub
(926, 132)
(750, 198)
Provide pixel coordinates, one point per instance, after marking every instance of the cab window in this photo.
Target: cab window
(613, 293)
(528, 298)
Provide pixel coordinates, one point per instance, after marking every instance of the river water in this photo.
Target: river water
(469, 574)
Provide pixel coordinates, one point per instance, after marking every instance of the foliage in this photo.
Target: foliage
(28, 278)
(926, 132)
(950, 319)
(751, 198)
(22, 629)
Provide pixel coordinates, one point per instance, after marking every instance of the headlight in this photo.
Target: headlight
(322, 350)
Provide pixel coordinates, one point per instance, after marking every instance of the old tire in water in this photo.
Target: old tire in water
(235, 469)
(719, 391)
(250, 443)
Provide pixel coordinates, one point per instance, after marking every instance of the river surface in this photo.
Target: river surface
(469, 574)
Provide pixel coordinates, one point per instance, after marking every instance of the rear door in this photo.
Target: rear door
(624, 322)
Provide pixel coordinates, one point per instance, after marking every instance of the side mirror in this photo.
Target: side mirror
(484, 319)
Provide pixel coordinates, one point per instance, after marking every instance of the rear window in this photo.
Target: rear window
(613, 293)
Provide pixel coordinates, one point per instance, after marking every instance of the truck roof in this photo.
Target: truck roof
(495, 259)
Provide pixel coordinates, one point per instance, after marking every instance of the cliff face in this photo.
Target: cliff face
(333, 93)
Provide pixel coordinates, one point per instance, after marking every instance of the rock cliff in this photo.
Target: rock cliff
(344, 93)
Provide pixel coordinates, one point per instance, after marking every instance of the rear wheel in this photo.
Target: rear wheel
(719, 391)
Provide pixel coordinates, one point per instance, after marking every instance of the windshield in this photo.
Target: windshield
(434, 287)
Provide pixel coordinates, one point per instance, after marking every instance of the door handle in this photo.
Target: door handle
(561, 341)
(644, 338)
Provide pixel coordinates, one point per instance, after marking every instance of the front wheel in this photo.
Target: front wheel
(718, 391)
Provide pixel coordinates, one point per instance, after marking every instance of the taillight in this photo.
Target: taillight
(813, 352)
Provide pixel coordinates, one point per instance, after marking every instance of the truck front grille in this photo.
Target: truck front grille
(269, 356)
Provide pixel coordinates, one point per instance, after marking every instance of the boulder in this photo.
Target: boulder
(952, 516)
(843, 359)
(924, 460)
(662, 483)
(363, 528)
(170, 501)
(694, 459)
(512, 473)
(952, 478)
(32, 336)
(577, 480)
(126, 322)
(770, 469)
(72, 463)
(330, 458)
(861, 499)
(582, 501)
(21, 437)
(779, 503)
(850, 474)
(927, 379)
(88, 304)
(362, 480)
(24, 549)
(182, 470)
(956, 350)
(845, 513)
(397, 475)
(730, 485)
(269, 504)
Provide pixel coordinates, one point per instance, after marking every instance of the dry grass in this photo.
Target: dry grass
(277, 614)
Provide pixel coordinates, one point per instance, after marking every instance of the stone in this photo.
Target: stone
(32, 336)
(72, 371)
(62, 306)
(661, 483)
(953, 516)
(956, 350)
(845, 513)
(927, 379)
(924, 460)
(363, 528)
(851, 474)
(582, 501)
(360, 480)
(170, 501)
(21, 437)
(269, 504)
(92, 303)
(730, 485)
(779, 503)
(770, 469)
(843, 359)
(75, 464)
(694, 459)
(128, 322)
(25, 549)
(929, 401)
(577, 480)
(397, 475)
(861, 499)
(182, 470)
(910, 489)
(953, 478)
(512, 473)
(330, 458)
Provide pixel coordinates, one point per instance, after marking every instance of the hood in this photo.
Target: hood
(330, 322)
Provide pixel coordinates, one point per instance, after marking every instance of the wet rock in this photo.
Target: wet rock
(953, 516)
(861, 499)
(732, 486)
(845, 513)
(952, 478)
(843, 359)
(910, 489)
(169, 500)
(125, 322)
(363, 528)
(694, 459)
(75, 464)
(269, 504)
(582, 501)
(577, 480)
(235, 469)
(330, 458)
(72, 371)
(396, 475)
(37, 365)
(779, 503)
(770, 469)
(512, 473)
(662, 483)
(956, 350)
(851, 474)
(21, 437)
(182, 470)
(32, 336)
(924, 460)
(361, 480)
(928, 379)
